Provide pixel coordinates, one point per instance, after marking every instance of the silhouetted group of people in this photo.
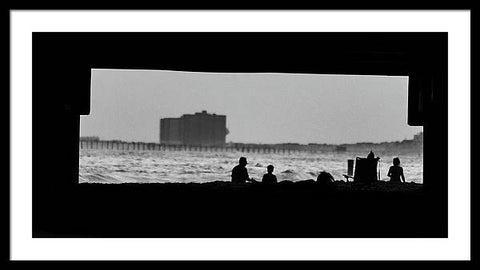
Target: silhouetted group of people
(240, 173)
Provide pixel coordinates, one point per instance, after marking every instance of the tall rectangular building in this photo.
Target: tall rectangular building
(199, 129)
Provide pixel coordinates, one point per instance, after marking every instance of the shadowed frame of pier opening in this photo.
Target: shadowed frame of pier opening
(64, 208)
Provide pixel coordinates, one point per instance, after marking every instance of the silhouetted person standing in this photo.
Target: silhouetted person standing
(396, 172)
(240, 173)
(269, 177)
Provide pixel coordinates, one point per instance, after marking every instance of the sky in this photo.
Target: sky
(260, 107)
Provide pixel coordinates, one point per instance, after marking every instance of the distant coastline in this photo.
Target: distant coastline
(414, 145)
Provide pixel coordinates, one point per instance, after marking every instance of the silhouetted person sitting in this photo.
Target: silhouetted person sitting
(269, 177)
(396, 172)
(240, 173)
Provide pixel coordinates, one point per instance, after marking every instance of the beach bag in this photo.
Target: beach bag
(325, 178)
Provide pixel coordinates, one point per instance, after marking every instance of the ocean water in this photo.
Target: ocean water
(119, 166)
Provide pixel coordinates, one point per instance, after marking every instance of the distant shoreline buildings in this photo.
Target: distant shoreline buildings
(414, 145)
(407, 145)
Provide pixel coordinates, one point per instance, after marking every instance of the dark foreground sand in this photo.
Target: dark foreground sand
(305, 185)
(223, 209)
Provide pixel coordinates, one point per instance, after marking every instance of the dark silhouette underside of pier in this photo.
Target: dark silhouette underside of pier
(62, 207)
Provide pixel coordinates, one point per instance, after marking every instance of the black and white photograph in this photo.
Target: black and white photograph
(302, 124)
(240, 135)
(270, 153)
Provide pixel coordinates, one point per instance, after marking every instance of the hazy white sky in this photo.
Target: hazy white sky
(260, 108)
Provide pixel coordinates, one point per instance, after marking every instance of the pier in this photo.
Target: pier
(285, 149)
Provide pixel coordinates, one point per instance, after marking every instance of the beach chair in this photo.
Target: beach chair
(365, 170)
